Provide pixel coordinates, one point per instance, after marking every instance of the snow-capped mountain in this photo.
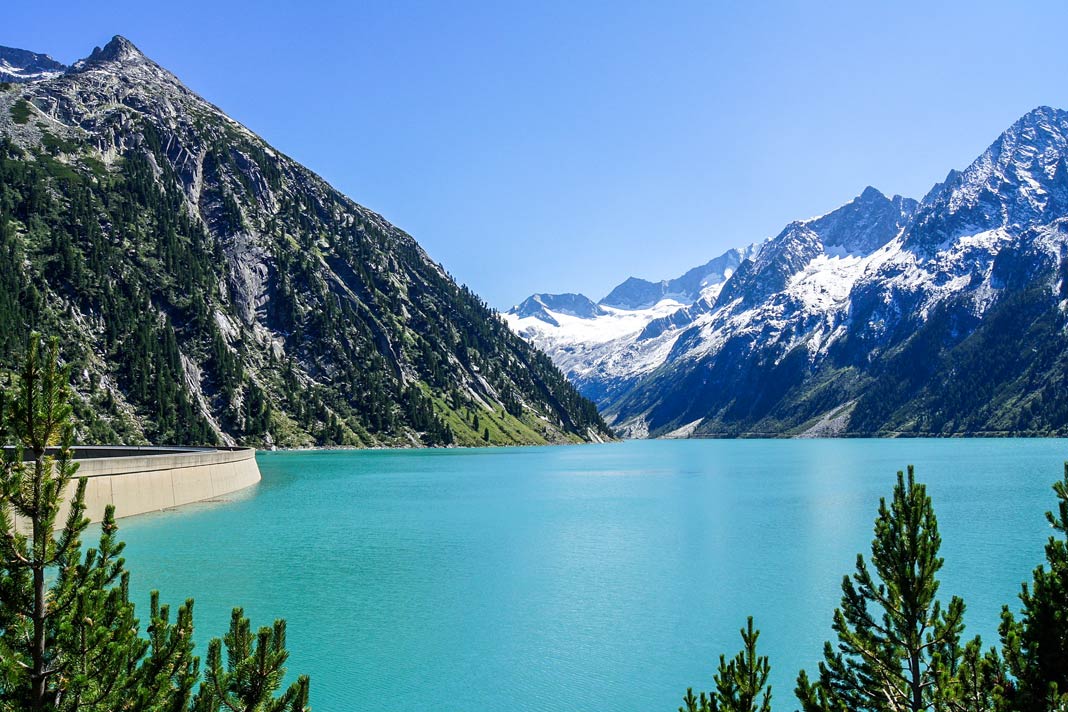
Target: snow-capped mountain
(699, 282)
(20, 66)
(543, 306)
(604, 346)
(883, 316)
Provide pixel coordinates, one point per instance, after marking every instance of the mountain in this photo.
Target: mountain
(886, 316)
(19, 65)
(542, 306)
(605, 347)
(635, 293)
(208, 288)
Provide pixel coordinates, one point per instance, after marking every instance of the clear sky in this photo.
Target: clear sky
(563, 146)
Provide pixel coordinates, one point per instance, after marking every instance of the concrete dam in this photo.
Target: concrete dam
(149, 479)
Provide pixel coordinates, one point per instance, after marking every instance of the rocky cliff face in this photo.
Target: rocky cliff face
(213, 289)
(885, 316)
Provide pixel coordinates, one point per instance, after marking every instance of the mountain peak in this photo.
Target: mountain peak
(538, 306)
(121, 61)
(1039, 126)
(1040, 114)
(864, 224)
(871, 193)
(635, 293)
(1013, 183)
(119, 49)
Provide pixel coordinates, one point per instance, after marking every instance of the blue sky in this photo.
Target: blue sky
(563, 146)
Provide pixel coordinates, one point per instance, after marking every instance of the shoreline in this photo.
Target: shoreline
(984, 435)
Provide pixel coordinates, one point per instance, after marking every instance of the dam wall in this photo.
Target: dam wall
(149, 479)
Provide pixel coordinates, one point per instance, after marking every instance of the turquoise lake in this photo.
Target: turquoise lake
(583, 577)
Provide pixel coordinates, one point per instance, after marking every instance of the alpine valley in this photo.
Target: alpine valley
(886, 316)
(208, 289)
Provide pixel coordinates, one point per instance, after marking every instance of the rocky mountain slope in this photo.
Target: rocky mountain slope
(209, 289)
(886, 316)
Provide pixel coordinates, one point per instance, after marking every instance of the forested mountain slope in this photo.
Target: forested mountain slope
(210, 289)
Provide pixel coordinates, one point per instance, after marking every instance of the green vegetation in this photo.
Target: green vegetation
(20, 112)
(69, 638)
(908, 652)
(1036, 644)
(270, 311)
(741, 684)
(56, 145)
(898, 649)
(998, 387)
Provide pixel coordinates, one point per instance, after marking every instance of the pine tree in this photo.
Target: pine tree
(69, 638)
(971, 681)
(741, 683)
(253, 672)
(72, 643)
(1036, 645)
(898, 650)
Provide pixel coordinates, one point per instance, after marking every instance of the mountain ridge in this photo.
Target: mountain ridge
(20, 65)
(218, 291)
(865, 320)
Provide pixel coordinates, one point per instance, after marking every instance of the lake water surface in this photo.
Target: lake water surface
(578, 578)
